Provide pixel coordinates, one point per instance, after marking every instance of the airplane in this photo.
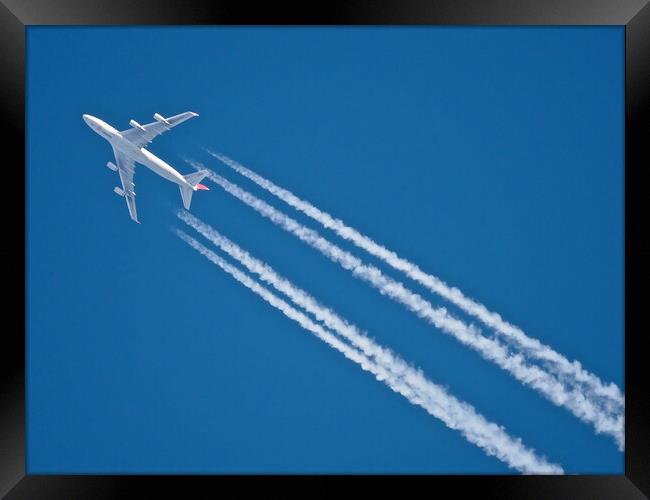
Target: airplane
(129, 149)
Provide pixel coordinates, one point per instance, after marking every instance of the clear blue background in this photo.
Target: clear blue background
(492, 157)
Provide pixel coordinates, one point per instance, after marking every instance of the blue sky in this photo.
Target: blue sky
(492, 157)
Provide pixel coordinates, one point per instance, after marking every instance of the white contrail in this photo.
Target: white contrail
(301, 298)
(571, 371)
(491, 349)
(492, 438)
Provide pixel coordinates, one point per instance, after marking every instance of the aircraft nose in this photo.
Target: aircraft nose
(88, 119)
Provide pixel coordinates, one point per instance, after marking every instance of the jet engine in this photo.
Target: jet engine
(118, 191)
(135, 124)
(159, 118)
(112, 166)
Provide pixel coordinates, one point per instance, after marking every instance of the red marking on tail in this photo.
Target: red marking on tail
(202, 187)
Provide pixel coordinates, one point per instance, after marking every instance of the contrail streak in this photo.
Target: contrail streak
(492, 438)
(570, 371)
(301, 298)
(491, 349)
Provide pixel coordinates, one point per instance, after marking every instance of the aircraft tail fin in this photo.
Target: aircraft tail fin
(194, 181)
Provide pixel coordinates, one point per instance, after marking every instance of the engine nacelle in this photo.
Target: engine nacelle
(135, 124)
(159, 118)
(112, 166)
(118, 191)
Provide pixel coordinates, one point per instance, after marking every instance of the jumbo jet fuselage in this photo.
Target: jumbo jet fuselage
(135, 153)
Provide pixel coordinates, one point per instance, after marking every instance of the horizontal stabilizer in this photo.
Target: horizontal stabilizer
(193, 180)
(196, 177)
(186, 194)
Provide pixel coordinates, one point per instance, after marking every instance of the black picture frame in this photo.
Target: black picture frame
(16, 15)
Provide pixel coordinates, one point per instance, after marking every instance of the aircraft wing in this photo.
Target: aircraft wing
(126, 169)
(141, 135)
